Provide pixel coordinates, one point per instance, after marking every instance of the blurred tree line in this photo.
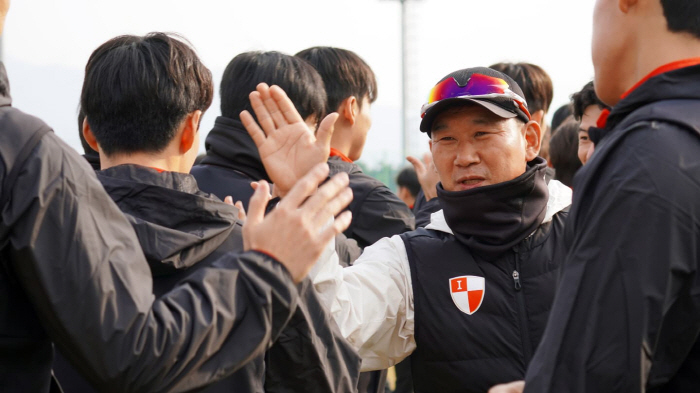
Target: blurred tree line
(384, 172)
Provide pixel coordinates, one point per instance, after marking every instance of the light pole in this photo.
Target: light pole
(404, 78)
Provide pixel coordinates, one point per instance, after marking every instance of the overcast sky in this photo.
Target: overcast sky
(47, 43)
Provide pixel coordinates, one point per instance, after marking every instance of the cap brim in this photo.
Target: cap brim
(427, 121)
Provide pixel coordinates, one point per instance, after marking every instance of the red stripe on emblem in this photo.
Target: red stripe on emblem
(475, 299)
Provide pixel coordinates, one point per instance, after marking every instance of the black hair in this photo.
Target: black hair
(563, 152)
(585, 98)
(561, 115)
(138, 90)
(682, 16)
(534, 82)
(295, 76)
(344, 74)
(408, 178)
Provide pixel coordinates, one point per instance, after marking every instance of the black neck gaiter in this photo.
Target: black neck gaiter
(490, 220)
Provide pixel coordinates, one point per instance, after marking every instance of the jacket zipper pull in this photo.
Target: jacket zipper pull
(516, 279)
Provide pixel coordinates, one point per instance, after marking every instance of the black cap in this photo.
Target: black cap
(504, 105)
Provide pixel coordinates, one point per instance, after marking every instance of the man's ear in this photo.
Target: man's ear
(533, 140)
(89, 136)
(348, 109)
(538, 116)
(190, 127)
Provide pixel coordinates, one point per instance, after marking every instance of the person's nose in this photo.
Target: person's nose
(467, 155)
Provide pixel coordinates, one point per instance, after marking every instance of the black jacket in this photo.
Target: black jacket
(72, 273)
(181, 230)
(231, 164)
(627, 312)
(499, 239)
(376, 211)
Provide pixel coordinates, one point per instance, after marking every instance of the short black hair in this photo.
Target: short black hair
(408, 178)
(563, 152)
(138, 90)
(561, 115)
(682, 16)
(534, 82)
(344, 74)
(295, 76)
(585, 98)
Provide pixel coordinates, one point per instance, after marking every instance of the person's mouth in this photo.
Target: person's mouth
(469, 182)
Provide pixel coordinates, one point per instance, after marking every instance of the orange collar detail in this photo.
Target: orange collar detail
(664, 68)
(336, 153)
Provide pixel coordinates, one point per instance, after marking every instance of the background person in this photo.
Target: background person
(587, 108)
(563, 152)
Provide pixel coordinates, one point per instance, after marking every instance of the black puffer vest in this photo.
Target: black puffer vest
(480, 315)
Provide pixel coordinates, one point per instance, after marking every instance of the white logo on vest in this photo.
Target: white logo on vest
(467, 292)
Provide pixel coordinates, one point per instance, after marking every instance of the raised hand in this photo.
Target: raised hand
(287, 147)
(427, 175)
(298, 229)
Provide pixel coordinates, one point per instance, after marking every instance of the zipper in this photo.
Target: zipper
(522, 313)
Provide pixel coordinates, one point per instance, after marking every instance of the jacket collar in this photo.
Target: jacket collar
(176, 223)
(229, 145)
(677, 80)
(522, 204)
(559, 199)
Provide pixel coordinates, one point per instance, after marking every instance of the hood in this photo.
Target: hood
(177, 224)
(228, 145)
(679, 84)
(544, 205)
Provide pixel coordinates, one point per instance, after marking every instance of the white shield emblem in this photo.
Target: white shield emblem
(467, 292)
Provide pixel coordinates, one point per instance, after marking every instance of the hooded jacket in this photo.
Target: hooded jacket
(233, 156)
(233, 162)
(181, 230)
(72, 274)
(376, 301)
(626, 316)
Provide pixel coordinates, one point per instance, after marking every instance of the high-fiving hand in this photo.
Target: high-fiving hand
(300, 226)
(287, 147)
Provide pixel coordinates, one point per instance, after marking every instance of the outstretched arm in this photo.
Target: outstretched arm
(78, 260)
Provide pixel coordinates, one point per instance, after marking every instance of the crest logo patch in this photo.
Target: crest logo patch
(467, 292)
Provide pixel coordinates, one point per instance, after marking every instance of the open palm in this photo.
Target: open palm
(287, 147)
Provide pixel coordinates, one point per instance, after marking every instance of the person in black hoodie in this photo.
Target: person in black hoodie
(626, 317)
(148, 145)
(351, 88)
(232, 161)
(468, 296)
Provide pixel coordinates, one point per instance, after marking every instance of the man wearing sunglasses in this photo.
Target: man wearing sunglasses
(470, 294)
